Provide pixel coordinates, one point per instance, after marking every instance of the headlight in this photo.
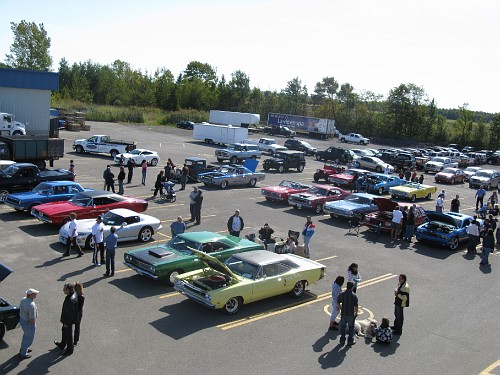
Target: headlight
(208, 297)
(178, 283)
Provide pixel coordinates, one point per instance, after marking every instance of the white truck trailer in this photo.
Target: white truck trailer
(210, 134)
(233, 118)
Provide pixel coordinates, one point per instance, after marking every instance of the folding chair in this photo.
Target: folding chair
(354, 226)
(376, 230)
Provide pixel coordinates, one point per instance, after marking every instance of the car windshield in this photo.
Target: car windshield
(110, 218)
(306, 144)
(81, 200)
(484, 174)
(350, 172)
(381, 178)
(378, 161)
(135, 152)
(448, 170)
(471, 169)
(225, 169)
(318, 191)
(270, 142)
(242, 268)
(358, 200)
(11, 170)
(42, 189)
(181, 244)
(287, 184)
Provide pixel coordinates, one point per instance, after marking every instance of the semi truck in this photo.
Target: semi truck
(233, 118)
(36, 149)
(312, 126)
(221, 134)
(9, 125)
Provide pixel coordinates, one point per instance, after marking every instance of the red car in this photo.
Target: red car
(384, 214)
(282, 192)
(86, 205)
(450, 176)
(345, 179)
(327, 170)
(316, 197)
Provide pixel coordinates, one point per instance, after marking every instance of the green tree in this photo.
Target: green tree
(294, 98)
(327, 90)
(30, 49)
(495, 132)
(464, 123)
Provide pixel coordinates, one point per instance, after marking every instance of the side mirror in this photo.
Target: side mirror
(123, 225)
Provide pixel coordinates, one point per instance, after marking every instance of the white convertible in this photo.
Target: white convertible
(138, 155)
(130, 226)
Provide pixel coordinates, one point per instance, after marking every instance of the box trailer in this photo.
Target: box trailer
(210, 134)
(233, 118)
(312, 126)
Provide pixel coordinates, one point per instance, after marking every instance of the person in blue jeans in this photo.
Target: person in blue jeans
(110, 243)
(308, 232)
(347, 303)
(28, 314)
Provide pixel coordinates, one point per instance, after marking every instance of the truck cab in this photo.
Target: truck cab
(9, 126)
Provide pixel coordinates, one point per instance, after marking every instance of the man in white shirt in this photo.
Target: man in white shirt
(28, 314)
(235, 224)
(397, 217)
(73, 234)
(98, 237)
(473, 232)
(440, 203)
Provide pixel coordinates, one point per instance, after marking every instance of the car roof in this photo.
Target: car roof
(124, 212)
(97, 193)
(289, 152)
(204, 236)
(60, 183)
(261, 257)
(195, 158)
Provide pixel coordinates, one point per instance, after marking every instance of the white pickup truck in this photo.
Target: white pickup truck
(439, 163)
(103, 144)
(354, 138)
(268, 145)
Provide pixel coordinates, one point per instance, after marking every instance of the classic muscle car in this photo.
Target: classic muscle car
(86, 205)
(138, 155)
(44, 192)
(354, 206)
(316, 197)
(412, 191)
(232, 174)
(447, 229)
(381, 183)
(450, 176)
(282, 192)
(327, 170)
(130, 226)
(9, 314)
(168, 260)
(384, 214)
(345, 179)
(247, 277)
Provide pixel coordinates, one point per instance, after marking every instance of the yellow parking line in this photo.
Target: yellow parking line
(170, 295)
(171, 220)
(164, 235)
(487, 370)
(288, 308)
(319, 260)
(125, 270)
(164, 207)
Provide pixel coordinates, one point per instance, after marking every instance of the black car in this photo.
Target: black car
(9, 314)
(298, 145)
(185, 125)
(284, 160)
(337, 154)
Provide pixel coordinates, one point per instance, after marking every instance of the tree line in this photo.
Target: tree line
(406, 114)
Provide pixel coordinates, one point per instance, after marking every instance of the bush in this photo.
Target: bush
(115, 114)
(183, 115)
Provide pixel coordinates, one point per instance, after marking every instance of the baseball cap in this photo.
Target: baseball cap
(32, 291)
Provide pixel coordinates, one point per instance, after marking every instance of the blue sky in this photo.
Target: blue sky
(450, 48)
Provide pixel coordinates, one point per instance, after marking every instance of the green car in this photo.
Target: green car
(176, 257)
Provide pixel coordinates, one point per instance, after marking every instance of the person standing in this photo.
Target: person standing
(197, 207)
(160, 179)
(73, 234)
(235, 224)
(81, 301)
(386, 169)
(110, 243)
(168, 170)
(347, 303)
(308, 232)
(130, 167)
(353, 276)
(144, 168)
(401, 300)
(177, 227)
(121, 179)
(192, 203)
(184, 176)
(109, 179)
(404, 221)
(414, 175)
(98, 236)
(440, 203)
(410, 224)
(69, 317)
(455, 204)
(336, 290)
(397, 217)
(480, 193)
(72, 169)
(421, 179)
(488, 245)
(473, 233)
(28, 313)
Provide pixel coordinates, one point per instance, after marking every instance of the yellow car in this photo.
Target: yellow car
(412, 191)
(247, 277)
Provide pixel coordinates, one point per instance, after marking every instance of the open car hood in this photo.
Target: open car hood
(443, 218)
(251, 164)
(385, 204)
(213, 263)
(4, 271)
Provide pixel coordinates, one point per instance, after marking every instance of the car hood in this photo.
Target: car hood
(385, 204)
(214, 263)
(156, 255)
(440, 217)
(480, 178)
(251, 164)
(4, 271)
(346, 205)
(58, 207)
(307, 196)
(442, 174)
(278, 189)
(434, 163)
(343, 176)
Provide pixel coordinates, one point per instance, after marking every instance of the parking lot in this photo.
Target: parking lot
(132, 324)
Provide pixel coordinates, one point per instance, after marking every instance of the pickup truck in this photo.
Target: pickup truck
(439, 163)
(103, 144)
(25, 176)
(280, 130)
(237, 152)
(268, 145)
(354, 138)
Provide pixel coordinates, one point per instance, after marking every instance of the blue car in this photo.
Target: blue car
(44, 192)
(354, 206)
(381, 183)
(448, 229)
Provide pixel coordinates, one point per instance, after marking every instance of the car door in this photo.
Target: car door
(271, 280)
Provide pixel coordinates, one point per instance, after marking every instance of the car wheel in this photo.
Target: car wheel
(233, 160)
(342, 140)
(145, 234)
(252, 182)
(413, 198)
(266, 167)
(113, 153)
(316, 177)
(79, 149)
(380, 191)
(300, 168)
(452, 181)
(318, 209)
(89, 243)
(454, 243)
(223, 185)
(378, 169)
(220, 160)
(253, 157)
(281, 168)
(154, 162)
(232, 305)
(318, 157)
(171, 276)
(298, 289)
(428, 196)
(295, 207)
(3, 194)
(426, 171)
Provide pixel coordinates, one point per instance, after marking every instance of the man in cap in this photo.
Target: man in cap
(28, 314)
(98, 236)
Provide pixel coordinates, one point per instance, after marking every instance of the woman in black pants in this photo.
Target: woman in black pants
(81, 301)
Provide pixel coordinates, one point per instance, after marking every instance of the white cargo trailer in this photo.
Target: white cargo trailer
(233, 118)
(210, 133)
